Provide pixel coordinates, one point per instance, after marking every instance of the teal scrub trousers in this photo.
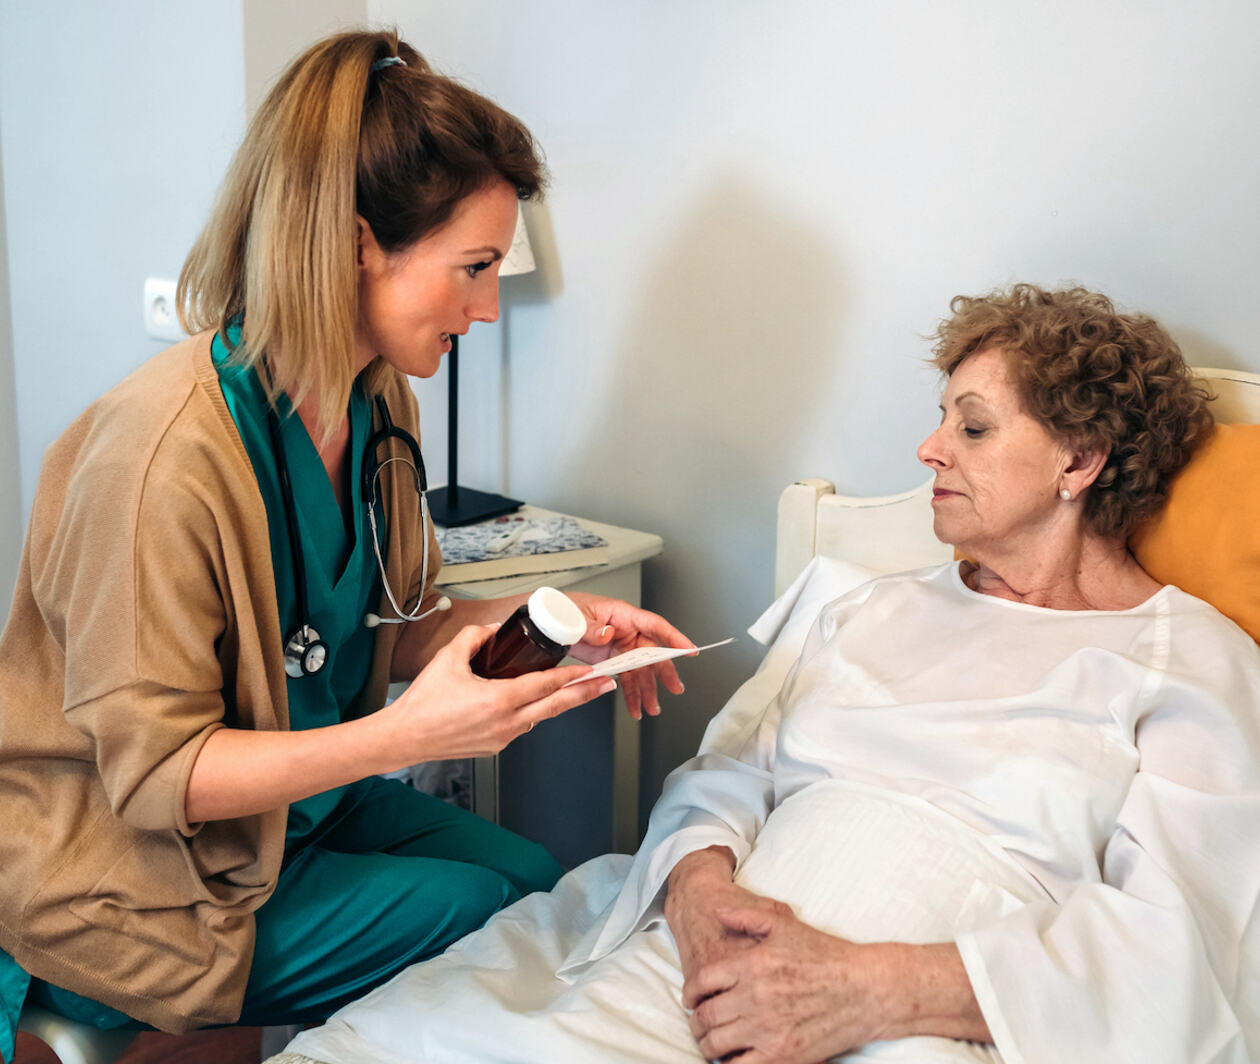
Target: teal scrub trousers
(390, 877)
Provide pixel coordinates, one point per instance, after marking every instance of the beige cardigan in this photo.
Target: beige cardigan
(144, 619)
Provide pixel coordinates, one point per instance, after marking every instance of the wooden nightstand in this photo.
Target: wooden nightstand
(619, 578)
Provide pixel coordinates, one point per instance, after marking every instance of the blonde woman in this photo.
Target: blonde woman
(191, 728)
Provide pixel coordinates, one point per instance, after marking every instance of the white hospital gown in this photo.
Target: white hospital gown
(1071, 797)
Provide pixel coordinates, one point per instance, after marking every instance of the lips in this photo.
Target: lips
(943, 493)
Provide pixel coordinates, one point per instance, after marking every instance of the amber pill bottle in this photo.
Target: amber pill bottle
(536, 636)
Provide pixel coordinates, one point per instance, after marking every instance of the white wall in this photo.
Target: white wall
(277, 31)
(10, 518)
(117, 123)
(758, 209)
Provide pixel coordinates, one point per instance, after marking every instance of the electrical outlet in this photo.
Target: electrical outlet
(160, 318)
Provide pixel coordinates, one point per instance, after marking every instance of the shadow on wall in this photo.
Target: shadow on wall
(735, 327)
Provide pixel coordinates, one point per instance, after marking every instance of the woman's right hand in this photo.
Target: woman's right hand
(449, 712)
(699, 885)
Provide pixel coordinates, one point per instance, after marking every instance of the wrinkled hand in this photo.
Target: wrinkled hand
(448, 712)
(796, 996)
(613, 627)
(699, 886)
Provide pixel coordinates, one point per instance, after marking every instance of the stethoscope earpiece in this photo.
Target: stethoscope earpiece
(371, 620)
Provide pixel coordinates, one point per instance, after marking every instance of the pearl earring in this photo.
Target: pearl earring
(1065, 495)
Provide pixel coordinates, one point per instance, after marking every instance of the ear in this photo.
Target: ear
(1082, 469)
(368, 255)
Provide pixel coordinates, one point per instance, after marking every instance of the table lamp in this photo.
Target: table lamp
(454, 505)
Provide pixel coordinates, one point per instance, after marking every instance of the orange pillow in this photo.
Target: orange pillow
(1206, 539)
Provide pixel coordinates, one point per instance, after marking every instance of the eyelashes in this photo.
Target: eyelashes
(477, 267)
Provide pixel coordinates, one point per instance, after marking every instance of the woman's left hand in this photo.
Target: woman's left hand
(613, 627)
(800, 995)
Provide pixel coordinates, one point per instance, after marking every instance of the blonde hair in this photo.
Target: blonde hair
(340, 135)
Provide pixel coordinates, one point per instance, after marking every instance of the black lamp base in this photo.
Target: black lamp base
(467, 506)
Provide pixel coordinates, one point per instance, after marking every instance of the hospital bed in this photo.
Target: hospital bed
(866, 535)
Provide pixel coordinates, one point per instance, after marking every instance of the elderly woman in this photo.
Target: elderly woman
(1006, 809)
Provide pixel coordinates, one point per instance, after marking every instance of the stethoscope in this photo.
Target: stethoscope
(305, 653)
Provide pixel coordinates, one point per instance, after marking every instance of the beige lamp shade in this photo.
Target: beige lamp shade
(520, 256)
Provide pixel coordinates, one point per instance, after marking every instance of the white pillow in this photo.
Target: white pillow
(783, 628)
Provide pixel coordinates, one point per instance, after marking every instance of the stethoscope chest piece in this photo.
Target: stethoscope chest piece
(304, 652)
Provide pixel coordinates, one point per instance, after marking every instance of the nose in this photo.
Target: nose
(932, 452)
(485, 305)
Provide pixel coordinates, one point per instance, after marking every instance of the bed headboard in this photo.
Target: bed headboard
(890, 533)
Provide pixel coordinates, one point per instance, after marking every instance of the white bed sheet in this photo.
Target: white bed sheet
(495, 996)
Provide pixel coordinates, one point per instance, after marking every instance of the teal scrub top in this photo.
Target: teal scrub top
(342, 580)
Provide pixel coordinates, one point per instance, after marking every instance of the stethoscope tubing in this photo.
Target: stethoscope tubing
(403, 615)
(304, 651)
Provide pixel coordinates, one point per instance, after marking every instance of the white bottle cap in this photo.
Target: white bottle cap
(557, 616)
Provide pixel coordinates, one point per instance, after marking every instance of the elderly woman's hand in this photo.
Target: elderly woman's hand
(699, 885)
(800, 995)
(613, 627)
(796, 995)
